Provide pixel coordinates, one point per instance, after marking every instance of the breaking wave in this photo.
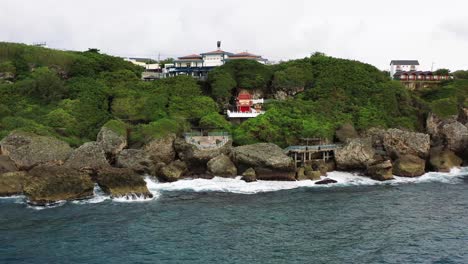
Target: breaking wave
(344, 179)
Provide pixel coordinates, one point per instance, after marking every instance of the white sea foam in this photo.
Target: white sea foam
(344, 179)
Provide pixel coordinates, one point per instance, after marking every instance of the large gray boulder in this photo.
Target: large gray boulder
(136, 159)
(27, 150)
(50, 183)
(111, 141)
(11, 183)
(222, 166)
(455, 135)
(399, 142)
(409, 166)
(122, 182)
(90, 156)
(161, 149)
(262, 155)
(357, 154)
(197, 159)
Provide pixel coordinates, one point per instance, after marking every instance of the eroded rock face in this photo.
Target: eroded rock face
(122, 182)
(357, 154)
(262, 155)
(409, 166)
(112, 142)
(443, 160)
(222, 166)
(161, 149)
(307, 173)
(6, 164)
(455, 135)
(173, 172)
(11, 183)
(380, 170)
(49, 184)
(346, 132)
(90, 156)
(27, 150)
(136, 159)
(197, 159)
(399, 142)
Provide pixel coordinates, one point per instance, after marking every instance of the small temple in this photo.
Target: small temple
(246, 106)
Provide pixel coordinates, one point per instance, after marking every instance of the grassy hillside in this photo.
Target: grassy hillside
(70, 95)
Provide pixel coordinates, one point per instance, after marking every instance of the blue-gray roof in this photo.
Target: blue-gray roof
(404, 62)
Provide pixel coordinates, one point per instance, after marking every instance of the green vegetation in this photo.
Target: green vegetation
(71, 95)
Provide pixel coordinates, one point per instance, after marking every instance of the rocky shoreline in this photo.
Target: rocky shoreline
(47, 170)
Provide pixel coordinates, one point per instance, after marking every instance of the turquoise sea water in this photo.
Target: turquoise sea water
(422, 220)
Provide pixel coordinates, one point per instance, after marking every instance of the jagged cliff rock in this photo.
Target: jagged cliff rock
(357, 154)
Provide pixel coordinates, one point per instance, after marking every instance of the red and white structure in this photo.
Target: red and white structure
(246, 106)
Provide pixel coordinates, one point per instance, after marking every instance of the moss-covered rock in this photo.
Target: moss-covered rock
(381, 170)
(222, 166)
(173, 172)
(27, 150)
(249, 175)
(442, 159)
(161, 149)
(122, 182)
(409, 166)
(11, 183)
(49, 184)
(307, 173)
(263, 156)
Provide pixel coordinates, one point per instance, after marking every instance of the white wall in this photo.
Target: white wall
(213, 60)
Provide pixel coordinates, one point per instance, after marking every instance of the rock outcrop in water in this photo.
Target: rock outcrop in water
(409, 166)
(357, 154)
(173, 172)
(27, 150)
(442, 159)
(222, 166)
(119, 182)
(136, 159)
(161, 149)
(267, 159)
(51, 183)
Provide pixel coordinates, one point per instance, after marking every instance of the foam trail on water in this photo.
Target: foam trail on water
(150, 184)
(98, 197)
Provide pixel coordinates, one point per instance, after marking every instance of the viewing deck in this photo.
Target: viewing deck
(212, 141)
(233, 114)
(303, 154)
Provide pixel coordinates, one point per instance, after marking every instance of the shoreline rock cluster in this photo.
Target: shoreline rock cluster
(48, 170)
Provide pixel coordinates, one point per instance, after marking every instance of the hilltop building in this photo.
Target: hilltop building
(406, 71)
(198, 65)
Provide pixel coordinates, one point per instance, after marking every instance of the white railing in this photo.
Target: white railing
(253, 113)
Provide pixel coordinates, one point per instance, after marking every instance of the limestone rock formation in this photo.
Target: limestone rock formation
(50, 183)
(90, 155)
(409, 166)
(6, 164)
(112, 142)
(442, 159)
(222, 166)
(161, 149)
(136, 159)
(399, 142)
(27, 150)
(122, 182)
(249, 175)
(173, 172)
(262, 155)
(380, 170)
(357, 154)
(11, 183)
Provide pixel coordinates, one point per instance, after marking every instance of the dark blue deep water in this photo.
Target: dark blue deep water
(405, 223)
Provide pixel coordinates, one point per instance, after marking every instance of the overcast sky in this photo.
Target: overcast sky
(371, 31)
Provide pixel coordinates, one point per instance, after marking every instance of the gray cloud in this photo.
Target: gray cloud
(371, 31)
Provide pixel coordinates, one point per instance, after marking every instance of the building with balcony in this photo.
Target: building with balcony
(198, 65)
(420, 79)
(246, 107)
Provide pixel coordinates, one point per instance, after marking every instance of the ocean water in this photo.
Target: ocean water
(357, 220)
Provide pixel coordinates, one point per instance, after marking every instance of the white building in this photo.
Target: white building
(403, 65)
(146, 63)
